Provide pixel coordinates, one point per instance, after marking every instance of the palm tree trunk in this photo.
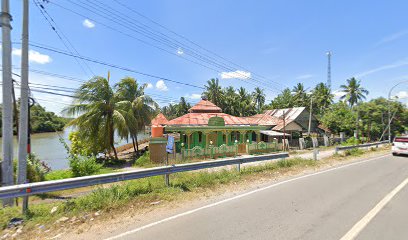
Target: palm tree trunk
(133, 142)
(112, 140)
(137, 144)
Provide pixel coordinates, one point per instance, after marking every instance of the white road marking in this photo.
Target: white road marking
(360, 225)
(238, 197)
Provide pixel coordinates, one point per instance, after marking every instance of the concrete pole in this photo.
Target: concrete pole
(310, 116)
(7, 118)
(23, 125)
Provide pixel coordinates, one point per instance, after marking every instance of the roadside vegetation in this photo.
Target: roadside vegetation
(145, 193)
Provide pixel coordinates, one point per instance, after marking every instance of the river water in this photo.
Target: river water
(48, 148)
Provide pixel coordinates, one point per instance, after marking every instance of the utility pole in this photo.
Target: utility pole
(23, 133)
(7, 117)
(284, 131)
(329, 70)
(310, 116)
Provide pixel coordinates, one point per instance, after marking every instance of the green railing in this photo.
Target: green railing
(262, 147)
(210, 152)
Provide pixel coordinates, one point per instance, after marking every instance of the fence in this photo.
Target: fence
(262, 147)
(376, 144)
(70, 183)
(210, 152)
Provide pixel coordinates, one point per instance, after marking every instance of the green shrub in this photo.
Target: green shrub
(144, 161)
(36, 169)
(83, 165)
(351, 142)
(353, 152)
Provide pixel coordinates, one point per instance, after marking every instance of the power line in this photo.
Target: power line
(200, 54)
(263, 84)
(112, 65)
(181, 36)
(51, 22)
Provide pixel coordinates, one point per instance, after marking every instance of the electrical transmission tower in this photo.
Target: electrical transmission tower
(329, 69)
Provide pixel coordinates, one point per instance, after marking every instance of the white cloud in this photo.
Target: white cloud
(392, 37)
(238, 74)
(382, 68)
(88, 23)
(33, 56)
(180, 51)
(402, 94)
(161, 86)
(149, 85)
(304, 76)
(194, 96)
(337, 93)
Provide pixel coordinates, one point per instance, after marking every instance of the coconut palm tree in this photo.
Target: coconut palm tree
(99, 115)
(183, 107)
(137, 107)
(299, 95)
(246, 106)
(213, 91)
(230, 101)
(259, 98)
(353, 92)
(322, 97)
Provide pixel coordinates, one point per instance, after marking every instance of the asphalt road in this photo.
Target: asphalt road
(323, 205)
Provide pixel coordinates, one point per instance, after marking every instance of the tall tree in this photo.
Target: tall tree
(300, 98)
(284, 100)
(213, 91)
(322, 98)
(182, 107)
(99, 114)
(353, 92)
(231, 104)
(137, 107)
(259, 98)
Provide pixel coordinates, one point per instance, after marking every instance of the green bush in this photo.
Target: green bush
(351, 142)
(353, 152)
(83, 165)
(144, 161)
(36, 169)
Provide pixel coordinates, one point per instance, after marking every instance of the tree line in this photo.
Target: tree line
(351, 112)
(41, 120)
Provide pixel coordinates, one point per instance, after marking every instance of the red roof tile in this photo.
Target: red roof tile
(202, 119)
(160, 119)
(205, 106)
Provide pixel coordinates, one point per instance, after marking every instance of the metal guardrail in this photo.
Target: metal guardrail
(70, 183)
(341, 148)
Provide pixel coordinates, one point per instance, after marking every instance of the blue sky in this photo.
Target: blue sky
(284, 41)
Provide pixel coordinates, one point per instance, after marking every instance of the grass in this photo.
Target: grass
(143, 192)
(66, 173)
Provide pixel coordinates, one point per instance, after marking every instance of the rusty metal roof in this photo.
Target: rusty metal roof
(262, 119)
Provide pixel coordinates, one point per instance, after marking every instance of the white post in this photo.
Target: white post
(310, 115)
(7, 118)
(23, 125)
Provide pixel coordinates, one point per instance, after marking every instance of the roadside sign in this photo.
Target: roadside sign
(170, 144)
